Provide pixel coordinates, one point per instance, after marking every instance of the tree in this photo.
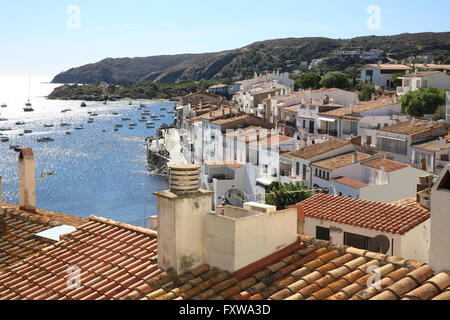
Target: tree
(285, 195)
(440, 113)
(335, 79)
(307, 80)
(396, 82)
(422, 101)
(366, 91)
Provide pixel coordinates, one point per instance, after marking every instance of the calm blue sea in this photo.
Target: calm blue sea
(96, 173)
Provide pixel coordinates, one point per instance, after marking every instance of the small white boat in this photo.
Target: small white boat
(4, 139)
(49, 125)
(83, 104)
(119, 125)
(133, 125)
(3, 119)
(28, 109)
(27, 131)
(4, 105)
(20, 123)
(126, 119)
(68, 133)
(65, 124)
(115, 113)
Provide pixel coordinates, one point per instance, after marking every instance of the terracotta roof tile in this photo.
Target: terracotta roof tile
(366, 214)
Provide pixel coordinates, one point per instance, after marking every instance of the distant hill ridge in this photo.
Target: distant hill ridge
(240, 63)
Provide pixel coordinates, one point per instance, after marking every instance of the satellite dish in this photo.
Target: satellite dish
(380, 244)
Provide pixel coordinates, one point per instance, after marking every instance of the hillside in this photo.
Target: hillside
(257, 57)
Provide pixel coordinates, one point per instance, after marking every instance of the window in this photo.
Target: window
(425, 84)
(340, 194)
(328, 176)
(322, 233)
(304, 172)
(297, 169)
(356, 241)
(304, 124)
(444, 157)
(316, 172)
(391, 145)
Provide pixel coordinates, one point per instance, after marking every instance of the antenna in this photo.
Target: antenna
(380, 244)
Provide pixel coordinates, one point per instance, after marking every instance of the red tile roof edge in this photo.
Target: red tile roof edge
(122, 225)
(257, 266)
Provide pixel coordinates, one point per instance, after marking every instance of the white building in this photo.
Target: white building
(398, 138)
(375, 179)
(402, 231)
(418, 80)
(381, 74)
(436, 153)
(363, 119)
(440, 223)
(448, 105)
(296, 165)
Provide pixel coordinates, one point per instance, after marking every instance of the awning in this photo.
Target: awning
(327, 119)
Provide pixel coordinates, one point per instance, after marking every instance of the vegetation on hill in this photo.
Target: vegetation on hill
(422, 101)
(139, 90)
(285, 195)
(335, 79)
(284, 54)
(307, 80)
(440, 113)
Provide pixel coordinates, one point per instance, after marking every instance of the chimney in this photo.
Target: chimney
(439, 259)
(27, 181)
(440, 144)
(3, 225)
(182, 212)
(352, 108)
(430, 124)
(355, 157)
(379, 63)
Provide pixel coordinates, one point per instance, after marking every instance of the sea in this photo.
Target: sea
(91, 172)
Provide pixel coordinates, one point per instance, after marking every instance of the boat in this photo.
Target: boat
(116, 129)
(157, 118)
(17, 148)
(162, 108)
(5, 129)
(79, 128)
(27, 131)
(154, 116)
(115, 113)
(83, 104)
(21, 134)
(119, 125)
(45, 139)
(4, 139)
(103, 130)
(68, 133)
(150, 126)
(65, 124)
(126, 119)
(28, 103)
(94, 114)
(90, 120)
(133, 125)
(162, 114)
(130, 103)
(20, 123)
(170, 111)
(105, 102)
(49, 125)
(3, 119)
(143, 119)
(28, 109)
(4, 105)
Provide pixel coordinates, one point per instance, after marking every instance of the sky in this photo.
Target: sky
(43, 38)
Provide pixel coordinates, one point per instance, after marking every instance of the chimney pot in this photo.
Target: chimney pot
(184, 179)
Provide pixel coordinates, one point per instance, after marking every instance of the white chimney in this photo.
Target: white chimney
(439, 259)
(440, 144)
(352, 108)
(181, 220)
(27, 181)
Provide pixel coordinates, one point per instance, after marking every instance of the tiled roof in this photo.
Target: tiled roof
(361, 107)
(270, 141)
(365, 214)
(231, 164)
(290, 109)
(433, 146)
(319, 148)
(113, 259)
(18, 230)
(418, 126)
(341, 161)
(389, 165)
(307, 270)
(350, 182)
(388, 66)
(420, 74)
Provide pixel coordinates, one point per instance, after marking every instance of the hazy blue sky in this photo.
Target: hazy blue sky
(43, 38)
